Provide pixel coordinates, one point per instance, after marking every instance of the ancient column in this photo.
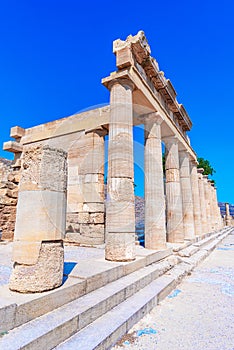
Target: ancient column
(228, 217)
(207, 201)
(201, 188)
(175, 230)
(196, 199)
(120, 208)
(40, 221)
(186, 191)
(155, 226)
(85, 210)
(218, 213)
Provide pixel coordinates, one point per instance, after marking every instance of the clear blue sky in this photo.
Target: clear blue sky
(55, 53)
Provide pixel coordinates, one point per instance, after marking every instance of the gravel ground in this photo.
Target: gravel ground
(198, 315)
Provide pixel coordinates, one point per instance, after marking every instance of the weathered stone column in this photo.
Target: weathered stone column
(186, 191)
(207, 201)
(228, 216)
(120, 208)
(218, 213)
(213, 207)
(85, 212)
(196, 199)
(175, 230)
(201, 187)
(155, 226)
(40, 221)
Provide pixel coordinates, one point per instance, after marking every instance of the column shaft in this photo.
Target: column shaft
(207, 201)
(201, 187)
(120, 205)
(175, 230)
(186, 191)
(155, 230)
(196, 199)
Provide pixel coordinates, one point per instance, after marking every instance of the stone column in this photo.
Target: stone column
(175, 230)
(85, 214)
(207, 201)
(196, 199)
(201, 187)
(155, 226)
(40, 221)
(228, 216)
(120, 204)
(186, 191)
(213, 207)
(218, 212)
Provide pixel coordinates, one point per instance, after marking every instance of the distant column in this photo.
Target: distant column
(186, 191)
(218, 212)
(40, 221)
(120, 204)
(201, 187)
(207, 200)
(228, 216)
(196, 199)
(155, 229)
(175, 230)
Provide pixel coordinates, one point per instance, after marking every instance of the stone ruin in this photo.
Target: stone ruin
(61, 167)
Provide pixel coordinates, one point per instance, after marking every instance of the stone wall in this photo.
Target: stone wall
(9, 180)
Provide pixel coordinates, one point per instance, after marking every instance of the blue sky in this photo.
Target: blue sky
(55, 53)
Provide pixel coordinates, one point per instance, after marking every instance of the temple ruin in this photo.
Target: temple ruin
(62, 166)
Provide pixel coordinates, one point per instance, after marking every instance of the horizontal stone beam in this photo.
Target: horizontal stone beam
(12, 146)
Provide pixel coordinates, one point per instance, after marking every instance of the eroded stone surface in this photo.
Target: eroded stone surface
(46, 274)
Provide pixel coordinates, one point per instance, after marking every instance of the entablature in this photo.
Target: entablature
(135, 51)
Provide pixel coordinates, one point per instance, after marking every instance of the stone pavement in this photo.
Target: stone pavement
(197, 315)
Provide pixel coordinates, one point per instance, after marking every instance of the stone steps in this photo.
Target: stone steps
(98, 318)
(17, 309)
(105, 331)
(47, 331)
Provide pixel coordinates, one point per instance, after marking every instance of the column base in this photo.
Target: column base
(45, 275)
(120, 246)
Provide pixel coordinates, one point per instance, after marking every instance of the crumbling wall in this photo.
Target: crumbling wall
(9, 180)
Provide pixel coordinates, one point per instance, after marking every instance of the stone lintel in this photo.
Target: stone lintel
(17, 132)
(12, 146)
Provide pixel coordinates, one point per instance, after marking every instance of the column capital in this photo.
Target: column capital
(200, 170)
(124, 81)
(170, 140)
(153, 117)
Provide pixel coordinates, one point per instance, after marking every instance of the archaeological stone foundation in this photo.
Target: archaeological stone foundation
(58, 176)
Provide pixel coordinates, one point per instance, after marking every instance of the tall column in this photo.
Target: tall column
(196, 199)
(186, 191)
(219, 216)
(213, 207)
(155, 229)
(207, 201)
(201, 187)
(120, 205)
(228, 216)
(175, 230)
(40, 221)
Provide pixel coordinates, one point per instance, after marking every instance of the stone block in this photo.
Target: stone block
(93, 207)
(91, 230)
(49, 208)
(96, 218)
(44, 168)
